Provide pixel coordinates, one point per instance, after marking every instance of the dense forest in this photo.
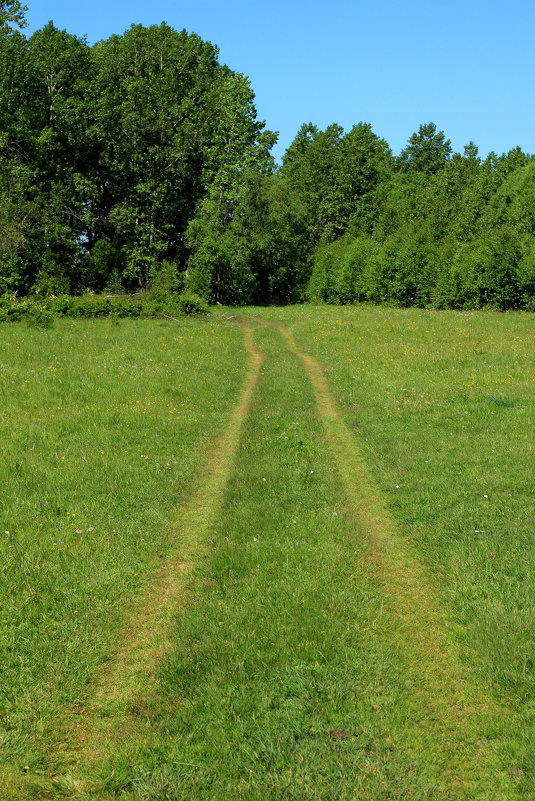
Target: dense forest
(139, 162)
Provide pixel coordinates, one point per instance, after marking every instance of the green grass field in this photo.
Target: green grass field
(354, 612)
(102, 428)
(443, 410)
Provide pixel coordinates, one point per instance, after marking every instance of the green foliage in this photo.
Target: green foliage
(220, 268)
(105, 262)
(12, 274)
(427, 151)
(13, 12)
(189, 303)
(139, 163)
(255, 249)
(167, 277)
(339, 271)
(526, 277)
(157, 303)
(189, 127)
(457, 237)
(488, 269)
(335, 175)
(6, 306)
(38, 316)
(108, 152)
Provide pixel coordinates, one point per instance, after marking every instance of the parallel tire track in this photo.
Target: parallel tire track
(465, 728)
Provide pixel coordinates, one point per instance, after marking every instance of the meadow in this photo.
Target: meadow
(443, 409)
(102, 427)
(357, 622)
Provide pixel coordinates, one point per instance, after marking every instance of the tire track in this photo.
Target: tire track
(467, 728)
(118, 708)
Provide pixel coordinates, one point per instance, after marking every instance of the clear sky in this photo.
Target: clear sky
(466, 65)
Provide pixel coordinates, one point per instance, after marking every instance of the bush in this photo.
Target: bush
(327, 267)
(41, 312)
(51, 283)
(34, 311)
(62, 306)
(190, 303)
(14, 274)
(38, 316)
(485, 274)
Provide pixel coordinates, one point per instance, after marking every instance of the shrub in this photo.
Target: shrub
(485, 273)
(62, 306)
(38, 316)
(326, 269)
(190, 303)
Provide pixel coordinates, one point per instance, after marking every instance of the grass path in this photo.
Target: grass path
(466, 727)
(122, 691)
(276, 647)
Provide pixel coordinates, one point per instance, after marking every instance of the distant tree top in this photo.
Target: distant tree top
(427, 151)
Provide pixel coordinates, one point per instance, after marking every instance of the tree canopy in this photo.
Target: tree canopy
(140, 162)
(109, 152)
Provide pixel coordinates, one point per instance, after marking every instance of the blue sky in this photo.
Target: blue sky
(468, 66)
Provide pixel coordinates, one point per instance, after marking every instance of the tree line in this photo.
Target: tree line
(139, 162)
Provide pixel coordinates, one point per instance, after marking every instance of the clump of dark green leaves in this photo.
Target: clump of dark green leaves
(41, 312)
(190, 303)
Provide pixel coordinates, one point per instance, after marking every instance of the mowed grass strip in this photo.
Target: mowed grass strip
(103, 427)
(441, 406)
(282, 683)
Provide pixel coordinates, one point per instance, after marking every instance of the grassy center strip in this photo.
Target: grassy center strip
(463, 722)
(115, 709)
